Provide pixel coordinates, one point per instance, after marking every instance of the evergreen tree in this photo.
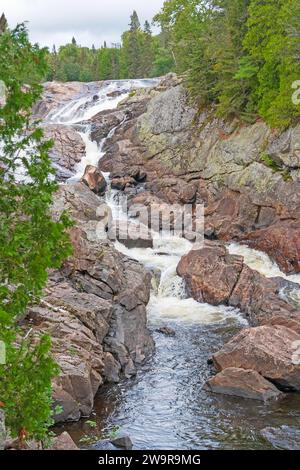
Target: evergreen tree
(271, 53)
(134, 22)
(30, 241)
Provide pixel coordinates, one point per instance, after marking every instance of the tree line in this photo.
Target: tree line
(140, 55)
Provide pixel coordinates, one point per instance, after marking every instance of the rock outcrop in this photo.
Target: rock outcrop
(243, 383)
(68, 149)
(94, 308)
(213, 275)
(269, 350)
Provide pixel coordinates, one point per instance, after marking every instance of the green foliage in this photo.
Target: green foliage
(26, 388)
(270, 163)
(30, 241)
(241, 55)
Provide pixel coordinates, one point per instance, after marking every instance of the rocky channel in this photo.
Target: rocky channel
(144, 140)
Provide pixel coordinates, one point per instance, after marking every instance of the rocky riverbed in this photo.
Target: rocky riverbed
(143, 140)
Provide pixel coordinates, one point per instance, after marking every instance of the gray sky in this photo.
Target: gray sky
(90, 21)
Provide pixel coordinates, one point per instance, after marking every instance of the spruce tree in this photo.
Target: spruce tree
(30, 241)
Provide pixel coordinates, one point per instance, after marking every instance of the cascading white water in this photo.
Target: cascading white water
(261, 262)
(168, 299)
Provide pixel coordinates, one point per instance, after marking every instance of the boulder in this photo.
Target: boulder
(242, 383)
(166, 330)
(104, 122)
(272, 351)
(130, 234)
(94, 179)
(64, 442)
(122, 441)
(213, 275)
(282, 242)
(122, 183)
(283, 438)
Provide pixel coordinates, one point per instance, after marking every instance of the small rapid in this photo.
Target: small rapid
(165, 406)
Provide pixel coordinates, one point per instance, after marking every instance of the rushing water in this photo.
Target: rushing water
(165, 406)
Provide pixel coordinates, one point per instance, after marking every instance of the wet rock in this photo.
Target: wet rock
(56, 94)
(282, 242)
(243, 383)
(104, 444)
(284, 437)
(104, 122)
(130, 234)
(68, 149)
(94, 308)
(112, 368)
(272, 351)
(213, 275)
(122, 183)
(200, 268)
(64, 442)
(166, 330)
(123, 441)
(94, 179)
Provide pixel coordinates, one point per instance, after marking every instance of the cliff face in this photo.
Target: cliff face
(248, 176)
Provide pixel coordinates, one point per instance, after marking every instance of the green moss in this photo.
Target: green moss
(270, 163)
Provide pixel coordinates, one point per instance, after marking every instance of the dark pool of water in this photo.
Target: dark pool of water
(165, 406)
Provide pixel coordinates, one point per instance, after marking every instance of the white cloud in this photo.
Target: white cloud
(90, 21)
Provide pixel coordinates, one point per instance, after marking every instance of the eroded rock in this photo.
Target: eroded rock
(213, 275)
(243, 383)
(269, 350)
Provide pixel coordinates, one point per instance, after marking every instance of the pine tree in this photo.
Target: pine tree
(134, 22)
(147, 28)
(3, 23)
(30, 241)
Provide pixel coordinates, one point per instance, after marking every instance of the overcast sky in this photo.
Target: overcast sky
(90, 21)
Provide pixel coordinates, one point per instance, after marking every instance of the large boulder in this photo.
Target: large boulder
(64, 442)
(272, 351)
(104, 122)
(242, 383)
(213, 275)
(94, 179)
